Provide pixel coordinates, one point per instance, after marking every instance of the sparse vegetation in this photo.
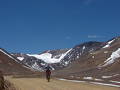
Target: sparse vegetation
(9, 86)
(4, 84)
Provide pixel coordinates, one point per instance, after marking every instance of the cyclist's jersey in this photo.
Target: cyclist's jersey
(48, 72)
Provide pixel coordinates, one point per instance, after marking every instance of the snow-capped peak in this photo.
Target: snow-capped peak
(47, 57)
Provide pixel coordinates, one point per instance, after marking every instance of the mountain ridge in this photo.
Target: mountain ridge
(75, 54)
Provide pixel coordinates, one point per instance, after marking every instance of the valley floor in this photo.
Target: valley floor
(42, 84)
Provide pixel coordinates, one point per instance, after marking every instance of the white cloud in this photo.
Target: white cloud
(92, 36)
(95, 36)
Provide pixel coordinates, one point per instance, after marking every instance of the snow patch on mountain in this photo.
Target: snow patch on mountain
(107, 76)
(105, 52)
(108, 44)
(93, 56)
(105, 84)
(77, 81)
(115, 82)
(20, 58)
(47, 57)
(83, 47)
(36, 66)
(88, 78)
(110, 76)
(112, 58)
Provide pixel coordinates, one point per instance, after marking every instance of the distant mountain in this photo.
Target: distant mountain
(40, 61)
(80, 50)
(58, 59)
(94, 61)
(99, 64)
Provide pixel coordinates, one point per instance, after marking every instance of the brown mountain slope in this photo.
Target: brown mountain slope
(8, 65)
(94, 64)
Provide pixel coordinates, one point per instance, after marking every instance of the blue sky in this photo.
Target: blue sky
(32, 26)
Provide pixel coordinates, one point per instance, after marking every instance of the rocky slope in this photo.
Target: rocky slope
(101, 65)
(40, 61)
(58, 59)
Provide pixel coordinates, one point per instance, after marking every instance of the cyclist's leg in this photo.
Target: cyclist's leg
(48, 78)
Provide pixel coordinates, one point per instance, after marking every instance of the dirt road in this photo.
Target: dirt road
(42, 84)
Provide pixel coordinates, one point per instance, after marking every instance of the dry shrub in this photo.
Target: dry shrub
(9, 86)
(2, 81)
(4, 84)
